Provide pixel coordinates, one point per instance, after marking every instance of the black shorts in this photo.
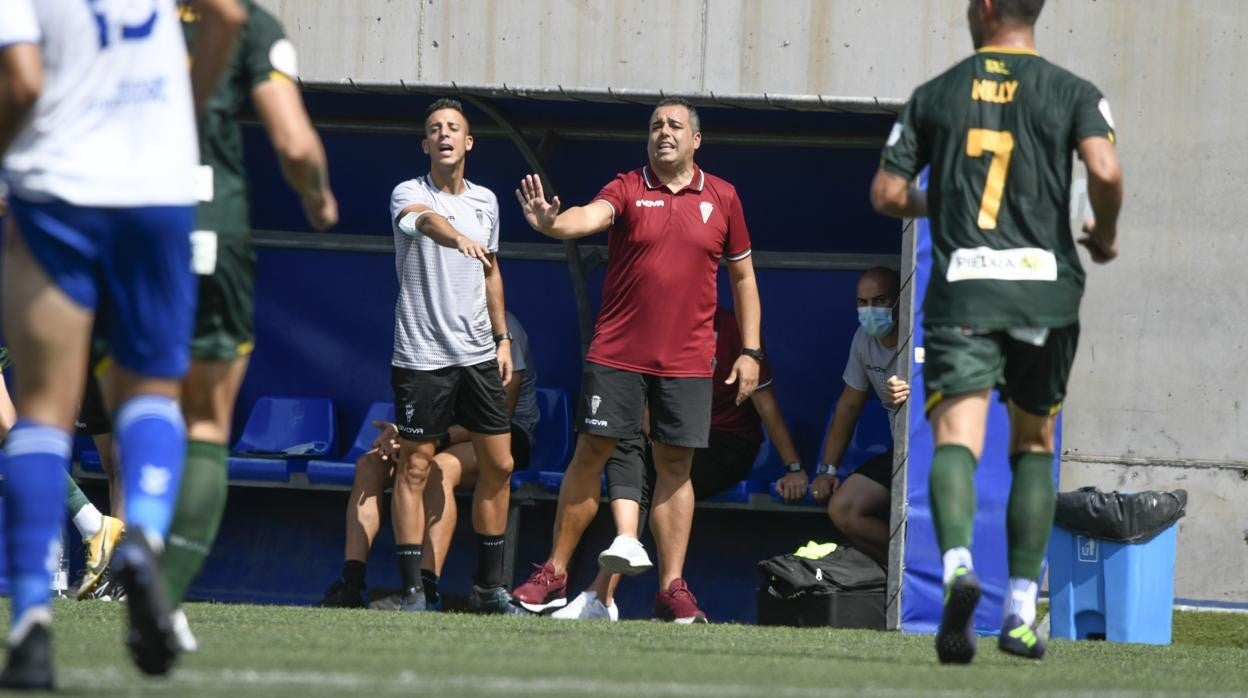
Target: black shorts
(878, 469)
(427, 403)
(613, 402)
(726, 461)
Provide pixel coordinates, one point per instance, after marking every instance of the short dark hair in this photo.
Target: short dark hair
(445, 103)
(1024, 11)
(695, 122)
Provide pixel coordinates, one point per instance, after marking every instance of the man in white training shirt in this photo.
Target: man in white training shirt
(452, 354)
(97, 130)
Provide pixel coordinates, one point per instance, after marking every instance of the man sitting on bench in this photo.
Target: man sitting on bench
(859, 506)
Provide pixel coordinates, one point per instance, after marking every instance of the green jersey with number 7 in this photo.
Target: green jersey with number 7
(1000, 131)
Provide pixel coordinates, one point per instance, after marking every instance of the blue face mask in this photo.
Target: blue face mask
(876, 320)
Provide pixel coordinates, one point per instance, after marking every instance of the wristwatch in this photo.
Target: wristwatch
(825, 469)
(498, 338)
(756, 354)
(795, 467)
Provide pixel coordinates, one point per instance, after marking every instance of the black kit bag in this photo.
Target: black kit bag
(822, 585)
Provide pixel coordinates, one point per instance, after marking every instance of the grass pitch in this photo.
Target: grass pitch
(285, 651)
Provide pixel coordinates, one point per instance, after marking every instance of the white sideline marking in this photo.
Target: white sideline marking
(405, 682)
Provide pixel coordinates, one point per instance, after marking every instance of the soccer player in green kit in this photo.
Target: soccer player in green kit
(1002, 309)
(263, 69)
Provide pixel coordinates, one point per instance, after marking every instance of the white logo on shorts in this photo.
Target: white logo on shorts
(409, 411)
(594, 403)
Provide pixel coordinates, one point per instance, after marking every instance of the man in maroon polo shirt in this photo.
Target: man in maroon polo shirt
(670, 223)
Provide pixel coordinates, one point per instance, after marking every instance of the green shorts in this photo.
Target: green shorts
(960, 360)
(224, 322)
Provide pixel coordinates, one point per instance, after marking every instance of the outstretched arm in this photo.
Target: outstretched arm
(419, 219)
(544, 216)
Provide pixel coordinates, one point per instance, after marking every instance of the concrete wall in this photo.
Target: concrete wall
(1160, 374)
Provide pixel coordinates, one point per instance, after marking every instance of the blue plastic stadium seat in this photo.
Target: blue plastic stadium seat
(280, 436)
(553, 449)
(341, 471)
(86, 455)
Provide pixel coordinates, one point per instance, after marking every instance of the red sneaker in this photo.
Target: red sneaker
(677, 605)
(543, 590)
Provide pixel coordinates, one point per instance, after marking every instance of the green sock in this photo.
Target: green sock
(951, 489)
(75, 500)
(1029, 517)
(201, 503)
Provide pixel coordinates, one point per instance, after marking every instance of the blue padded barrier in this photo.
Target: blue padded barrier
(280, 436)
(341, 471)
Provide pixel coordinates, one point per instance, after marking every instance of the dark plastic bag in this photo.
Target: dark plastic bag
(843, 569)
(1122, 518)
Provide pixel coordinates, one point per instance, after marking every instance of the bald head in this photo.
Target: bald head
(878, 286)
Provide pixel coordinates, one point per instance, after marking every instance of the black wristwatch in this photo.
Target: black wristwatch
(756, 354)
(498, 338)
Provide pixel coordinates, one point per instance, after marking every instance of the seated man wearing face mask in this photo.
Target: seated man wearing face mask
(859, 506)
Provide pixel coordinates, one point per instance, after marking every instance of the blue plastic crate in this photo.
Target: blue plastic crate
(1119, 592)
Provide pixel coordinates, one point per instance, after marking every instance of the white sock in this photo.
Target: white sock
(955, 558)
(88, 521)
(1021, 600)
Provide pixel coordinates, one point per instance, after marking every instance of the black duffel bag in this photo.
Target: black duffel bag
(822, 585)
(1118, 517)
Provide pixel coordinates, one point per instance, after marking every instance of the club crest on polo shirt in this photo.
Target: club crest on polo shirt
(480, 217)
(705, 207)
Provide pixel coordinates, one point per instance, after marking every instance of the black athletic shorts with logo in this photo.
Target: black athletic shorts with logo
(427, 403)
(613, 402)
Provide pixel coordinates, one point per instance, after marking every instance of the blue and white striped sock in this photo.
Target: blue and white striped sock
(34, 495)
(151, 444)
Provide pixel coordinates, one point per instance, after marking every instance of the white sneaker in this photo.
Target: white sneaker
(626, 556)
(182, 632)
(586, 606)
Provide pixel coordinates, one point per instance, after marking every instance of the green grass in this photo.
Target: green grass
(252, 650)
